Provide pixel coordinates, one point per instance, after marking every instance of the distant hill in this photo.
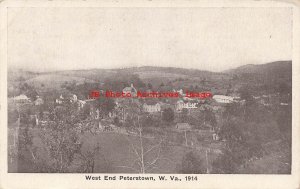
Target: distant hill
(270, 74)
(143, 72)
(266, 78)
(278, 67)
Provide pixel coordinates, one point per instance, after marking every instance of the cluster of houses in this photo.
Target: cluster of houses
(23, 99)
(150, 106)
(127, 108)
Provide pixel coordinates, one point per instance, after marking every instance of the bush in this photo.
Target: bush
(191, 164)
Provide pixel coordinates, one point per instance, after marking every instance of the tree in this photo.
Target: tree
(88, 160)
(245, 93)
(117, 121)
(168, 115)
(84, 112)
(12, 116)
(149, 121)
(60, 140)
(146, 156)
(232, 156)
(26, 143)
(184, 115)
(191, 164)
(149, 85)
(191, 88)
(209, 117)
(206, 118)
(62, 144)
(284, 121)
(32, 94)
(106, 105)
(231, 110)
(241, 144)
(283, 88)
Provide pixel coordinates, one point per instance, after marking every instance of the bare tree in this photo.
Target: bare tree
(146, 158)
(87, 160)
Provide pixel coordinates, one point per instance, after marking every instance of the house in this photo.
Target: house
(97, 114)
(81, 103)
(73, 98)
(207, 135)
(151, 108)
(180, 91)
(223, 99)
(59, 100)
(215, 136)
(38, 101)
(284, 104)
(183, 126)
(22, 99)
(130, 90)
(185, 104)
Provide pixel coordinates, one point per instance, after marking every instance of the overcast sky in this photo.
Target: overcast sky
(214, 39)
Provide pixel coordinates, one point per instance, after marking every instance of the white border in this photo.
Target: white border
(30, 180)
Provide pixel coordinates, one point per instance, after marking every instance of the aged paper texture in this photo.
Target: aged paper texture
(149, 94)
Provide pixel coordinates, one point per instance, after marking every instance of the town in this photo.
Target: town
(234, 128)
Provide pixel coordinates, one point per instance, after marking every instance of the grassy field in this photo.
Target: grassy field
(116, 153)
(117, 150)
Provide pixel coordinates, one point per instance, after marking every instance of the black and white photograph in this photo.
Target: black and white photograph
(149, 90)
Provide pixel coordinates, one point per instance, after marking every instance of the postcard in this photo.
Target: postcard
(149, 94)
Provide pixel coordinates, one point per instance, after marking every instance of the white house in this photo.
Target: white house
(73, 98)
(223, 99)
(59, 100)
(183, 126)
(21, 99)
(151, 108)
(188, 105)
(81, 104)
(38, 101)
(130, 90)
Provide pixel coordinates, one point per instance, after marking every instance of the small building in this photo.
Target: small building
(22, 99)
(73, 98)
(183, 126)
(59, 100)
(223, 99)
(38, 101)
(185, 104)
(151, 108)
(130, 90)
(207, 135)
(284, 104)
(180, 91)
(81, 103)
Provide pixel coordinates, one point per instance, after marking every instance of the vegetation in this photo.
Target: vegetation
(232, 138)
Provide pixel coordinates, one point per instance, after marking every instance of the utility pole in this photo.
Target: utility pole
(185, 137)
(207, 169)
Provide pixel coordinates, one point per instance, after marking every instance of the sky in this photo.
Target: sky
(213, 39)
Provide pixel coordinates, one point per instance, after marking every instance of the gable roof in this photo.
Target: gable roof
(183, 126)
(21, 97)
